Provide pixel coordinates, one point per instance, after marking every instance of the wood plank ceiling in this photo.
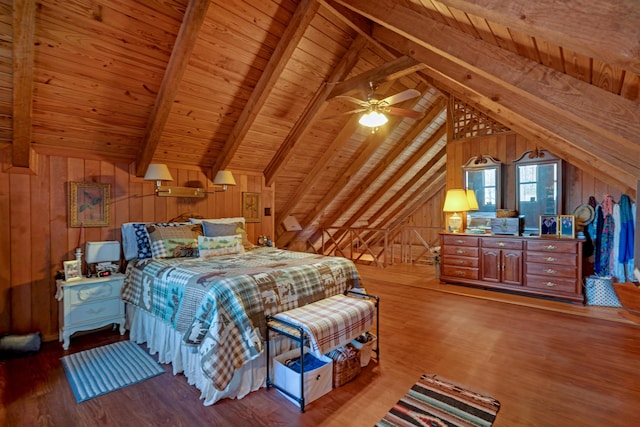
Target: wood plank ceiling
(253, 86)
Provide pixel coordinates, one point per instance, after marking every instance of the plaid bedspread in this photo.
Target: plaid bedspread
(333, 321)
(219, 304)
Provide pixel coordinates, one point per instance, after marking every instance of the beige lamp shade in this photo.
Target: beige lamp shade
(224, 178)
(456, 201)
(158, 172)
(472, 200)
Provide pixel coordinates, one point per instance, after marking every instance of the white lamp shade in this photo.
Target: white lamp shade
(373, 119)
(456, 201)
(471, 199)
(102, 251)
(224, 178)
(158, 172)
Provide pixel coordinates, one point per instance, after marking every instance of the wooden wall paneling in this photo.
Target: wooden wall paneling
(42, 287)
(134, 187)
(58, 223)
(5, 244)
(20, 233)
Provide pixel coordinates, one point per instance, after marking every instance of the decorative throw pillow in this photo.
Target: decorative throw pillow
(142, 237)
(220, 245)
(174, 241)
(215, 229)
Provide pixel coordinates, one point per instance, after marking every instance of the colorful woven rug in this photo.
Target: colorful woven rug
(104, 369)
(434, 402)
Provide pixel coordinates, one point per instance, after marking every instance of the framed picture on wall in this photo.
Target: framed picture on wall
(567, 226)
(89, 204)
(251, 206)
(72, 270)
(548, 225)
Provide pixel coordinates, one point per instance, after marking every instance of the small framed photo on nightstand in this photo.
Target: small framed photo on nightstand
(72, 270)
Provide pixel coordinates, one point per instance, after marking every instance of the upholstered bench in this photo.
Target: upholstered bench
(321, 327)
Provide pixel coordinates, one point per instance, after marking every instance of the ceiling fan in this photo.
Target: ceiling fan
(375, 109)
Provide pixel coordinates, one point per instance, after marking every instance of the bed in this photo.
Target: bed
(199, 296)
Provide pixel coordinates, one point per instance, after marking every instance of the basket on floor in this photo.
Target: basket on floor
(599, 291)
(346, 364)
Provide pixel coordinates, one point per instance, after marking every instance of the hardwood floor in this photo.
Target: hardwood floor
(548, 363)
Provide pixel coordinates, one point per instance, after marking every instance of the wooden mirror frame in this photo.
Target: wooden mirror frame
(482, 163)
(538, 157)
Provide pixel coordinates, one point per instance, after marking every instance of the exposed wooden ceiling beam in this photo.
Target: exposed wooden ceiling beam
(392, 70)
(564, 138)
(194, 16)
(24, 18)
(302, 17)
(306, 120)
(592, 28)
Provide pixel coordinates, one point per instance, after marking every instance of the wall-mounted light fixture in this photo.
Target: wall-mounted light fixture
(160, 172)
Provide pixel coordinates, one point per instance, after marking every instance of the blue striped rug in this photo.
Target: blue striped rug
(104, 369)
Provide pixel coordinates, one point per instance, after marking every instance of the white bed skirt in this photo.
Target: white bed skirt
(162, 339)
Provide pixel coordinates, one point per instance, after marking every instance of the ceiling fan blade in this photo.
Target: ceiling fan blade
(404, 112)
(354, 100)
(335, 116)
(399, 97)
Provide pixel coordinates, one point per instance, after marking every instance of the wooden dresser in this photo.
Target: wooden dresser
(550, 267)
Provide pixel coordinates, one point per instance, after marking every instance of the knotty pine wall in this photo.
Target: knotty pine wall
(35, 238)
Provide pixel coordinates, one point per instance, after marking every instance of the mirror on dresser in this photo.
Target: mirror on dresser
(483, 175)
(538, 187)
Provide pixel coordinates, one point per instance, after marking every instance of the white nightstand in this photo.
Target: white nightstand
(87, 304)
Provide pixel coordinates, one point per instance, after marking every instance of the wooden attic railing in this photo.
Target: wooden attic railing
(378, 245)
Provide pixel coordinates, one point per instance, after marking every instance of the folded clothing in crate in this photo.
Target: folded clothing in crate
(310, 363)
(346, 364)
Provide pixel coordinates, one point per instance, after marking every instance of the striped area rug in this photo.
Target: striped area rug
(104, 369)
(434, 402)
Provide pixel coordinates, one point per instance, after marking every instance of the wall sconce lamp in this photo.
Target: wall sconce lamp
(160, 172)
(456, 201)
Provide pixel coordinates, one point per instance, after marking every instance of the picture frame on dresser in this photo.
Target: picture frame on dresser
(548, 225)
(567, 229)
(72, 270)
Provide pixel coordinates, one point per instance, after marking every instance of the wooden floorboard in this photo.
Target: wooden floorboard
(548, 363)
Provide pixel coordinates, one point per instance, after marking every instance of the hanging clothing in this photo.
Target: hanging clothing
(625, 249)
(599, 224)
(606, 237)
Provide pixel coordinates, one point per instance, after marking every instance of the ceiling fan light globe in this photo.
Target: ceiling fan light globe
(373, 119)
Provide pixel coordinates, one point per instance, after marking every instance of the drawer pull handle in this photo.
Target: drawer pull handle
(459, 241)
(459, 273)
(95, 311)
(551, 271)
(550, 247)
(460, 251)
(459, 261)
(501, 244)
(550, 284)
(550, 259)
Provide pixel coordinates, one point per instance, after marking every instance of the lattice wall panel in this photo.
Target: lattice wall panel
(470, 123)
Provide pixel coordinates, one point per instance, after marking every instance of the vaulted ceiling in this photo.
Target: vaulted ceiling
(260, 86)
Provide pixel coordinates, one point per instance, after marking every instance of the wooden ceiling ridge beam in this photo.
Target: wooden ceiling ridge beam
(23, 25)
(194, 17)
(570, 25)
(317, 104)
(597, 111)
(389, 71)
(297, 26)
(565, 139)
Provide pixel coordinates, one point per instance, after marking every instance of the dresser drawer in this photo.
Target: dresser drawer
(449, 240)
(90, 312)
(551, 284)
(83, 294)
(553, 246)
(460, 272)
(546, 257)
(553, 270)
(502, 243)
(460, 251)
(458, 261)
